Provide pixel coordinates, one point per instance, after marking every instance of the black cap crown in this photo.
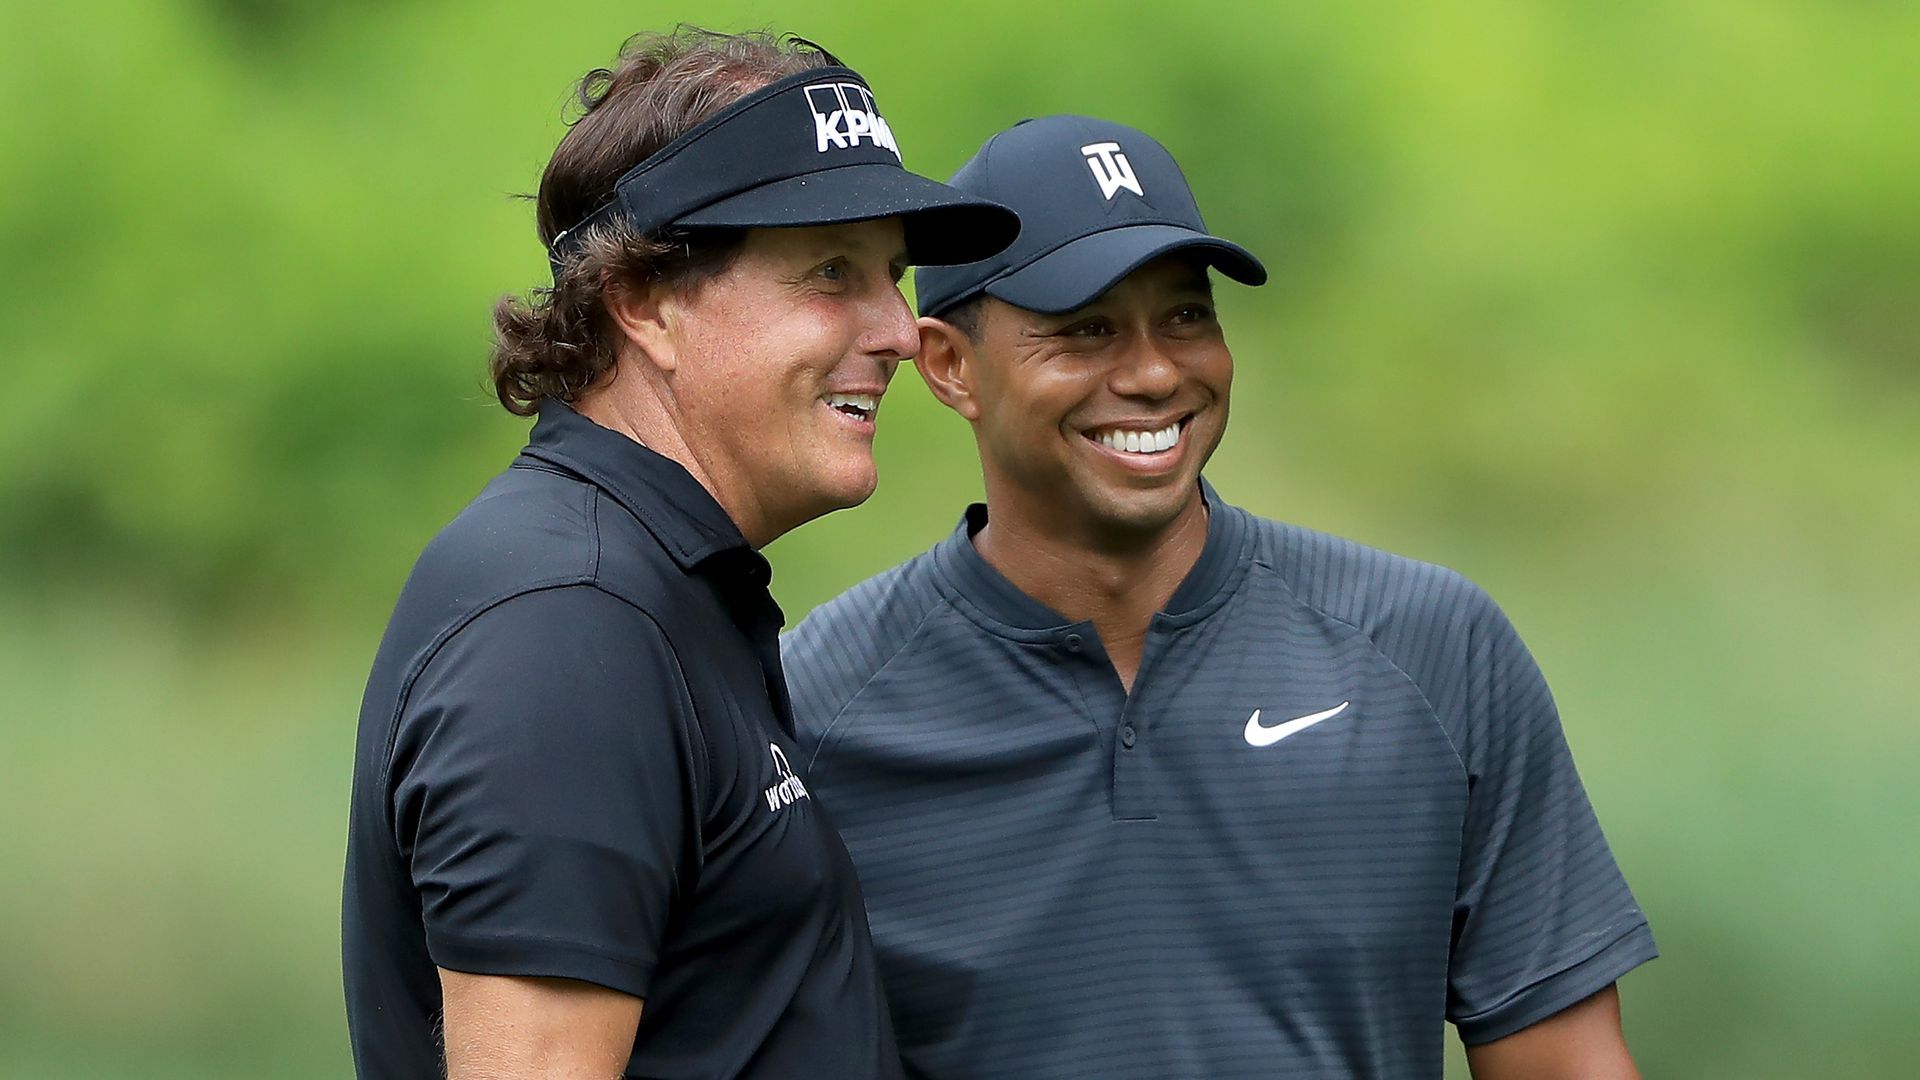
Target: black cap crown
(1096, 200)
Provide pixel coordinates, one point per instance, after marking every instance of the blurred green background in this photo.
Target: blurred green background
(1614, 307)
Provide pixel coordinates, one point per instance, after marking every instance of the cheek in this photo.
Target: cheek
(1037, 393)
(1214, 370)
(823, 328)
(753, 379)
(1030, 417)
(1057, 402)
(797, 357)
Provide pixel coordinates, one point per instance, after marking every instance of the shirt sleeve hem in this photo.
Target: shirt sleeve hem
(540, 958)
(1564, 988)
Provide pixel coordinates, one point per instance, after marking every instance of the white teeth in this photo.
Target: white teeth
(865, 403)
(1141, 442)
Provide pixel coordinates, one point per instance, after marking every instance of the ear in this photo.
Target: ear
(647, 317)
(946, 364)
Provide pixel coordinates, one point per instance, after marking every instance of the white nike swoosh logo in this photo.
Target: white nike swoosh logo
(1259, 734)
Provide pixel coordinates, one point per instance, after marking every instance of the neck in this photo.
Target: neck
(645, 419)
(1118, 585)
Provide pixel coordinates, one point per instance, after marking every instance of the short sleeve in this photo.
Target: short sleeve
(542, 786)
(1542, 916)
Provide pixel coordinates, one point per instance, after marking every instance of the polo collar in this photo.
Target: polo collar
(979, 588)
(657, 490)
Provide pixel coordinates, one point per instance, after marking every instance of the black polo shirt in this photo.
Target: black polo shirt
(576, 759)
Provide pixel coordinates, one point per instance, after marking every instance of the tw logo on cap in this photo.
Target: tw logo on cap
(1111, 169)
(843, 114)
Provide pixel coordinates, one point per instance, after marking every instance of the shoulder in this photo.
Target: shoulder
(517, 569)
(570, 666)
(571, 643)
(844, 642)
(580, 616)
(866, 620)
(1357, 584)
(1428, 620)
(528, 529)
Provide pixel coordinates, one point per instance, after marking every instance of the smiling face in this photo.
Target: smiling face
(774, 369)
(1095, 423)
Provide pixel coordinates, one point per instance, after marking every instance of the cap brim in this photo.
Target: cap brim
(1075, 273)
(943, 226)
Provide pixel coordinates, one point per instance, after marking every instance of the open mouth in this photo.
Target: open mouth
(857, 406)
(1141, 441)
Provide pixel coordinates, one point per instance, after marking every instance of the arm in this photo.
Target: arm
(541, 798)
(1581, 1042)
(1544, 923)
(506, 1027)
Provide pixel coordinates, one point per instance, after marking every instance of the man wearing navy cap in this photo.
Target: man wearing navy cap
(582, 840)
(1140, 785)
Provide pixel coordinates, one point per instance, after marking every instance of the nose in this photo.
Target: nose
(1146, 370)
(890, 334)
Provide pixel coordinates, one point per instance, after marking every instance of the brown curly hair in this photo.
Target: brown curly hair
(560, 340)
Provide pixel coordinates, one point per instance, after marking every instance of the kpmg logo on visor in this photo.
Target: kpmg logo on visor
(844, 114)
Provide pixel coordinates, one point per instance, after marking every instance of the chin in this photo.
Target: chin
(841, 486)
(1142, 511)
(854, 496)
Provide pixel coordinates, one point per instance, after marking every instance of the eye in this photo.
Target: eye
(1086, 328)
(833, 270)
(1193, 313)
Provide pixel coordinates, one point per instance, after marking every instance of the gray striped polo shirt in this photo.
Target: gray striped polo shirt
(1336, 809)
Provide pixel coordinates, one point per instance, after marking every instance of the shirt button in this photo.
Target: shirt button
(1074, 643)
(1126, 736)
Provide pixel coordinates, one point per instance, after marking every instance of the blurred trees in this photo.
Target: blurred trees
(1547, 258)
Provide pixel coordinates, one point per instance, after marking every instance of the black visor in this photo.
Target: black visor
(809, 149)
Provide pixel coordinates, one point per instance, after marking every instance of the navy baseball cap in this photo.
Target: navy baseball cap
(1097, 200)
(808, 149)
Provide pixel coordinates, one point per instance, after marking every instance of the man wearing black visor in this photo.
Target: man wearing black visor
(582, 842)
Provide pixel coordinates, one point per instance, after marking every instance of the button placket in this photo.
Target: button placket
(1133, 788)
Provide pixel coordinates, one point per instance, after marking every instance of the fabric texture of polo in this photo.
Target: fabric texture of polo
(576, 760)
(1337, 810)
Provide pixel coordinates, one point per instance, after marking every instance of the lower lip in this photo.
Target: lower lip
(855, 424)
(1154, 464)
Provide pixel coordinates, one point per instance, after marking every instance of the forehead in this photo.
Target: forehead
(883, 238)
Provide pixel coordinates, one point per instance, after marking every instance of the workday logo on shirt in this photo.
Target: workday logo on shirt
(788, 788)
(843, 114)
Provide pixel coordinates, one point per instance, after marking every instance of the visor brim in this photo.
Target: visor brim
(943, 226)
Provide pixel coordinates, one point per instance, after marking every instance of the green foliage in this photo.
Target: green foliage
(249, 249)
(1610, 306)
